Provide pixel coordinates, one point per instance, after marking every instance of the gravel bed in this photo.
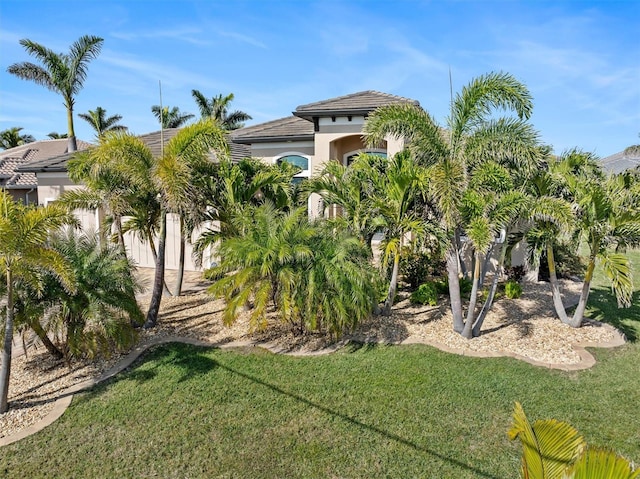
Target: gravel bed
(525, 326)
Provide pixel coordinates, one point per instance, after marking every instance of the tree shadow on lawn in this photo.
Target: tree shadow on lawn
(194, 362)
(604, 307)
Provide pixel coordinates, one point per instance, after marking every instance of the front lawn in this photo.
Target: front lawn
(368, 412)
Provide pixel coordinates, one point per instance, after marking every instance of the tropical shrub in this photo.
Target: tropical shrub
(313, 277)
(426, 293)
(554, 449)
(100, 314)
(512, 289)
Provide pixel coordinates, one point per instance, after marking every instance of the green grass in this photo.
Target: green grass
(367, 412)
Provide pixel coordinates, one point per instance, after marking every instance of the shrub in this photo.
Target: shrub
(512, 289)
(417, 266)
(427, 293)
(515, 273)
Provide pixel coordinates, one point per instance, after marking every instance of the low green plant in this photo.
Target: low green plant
(554, 449)
(512, 289)
(427, 293)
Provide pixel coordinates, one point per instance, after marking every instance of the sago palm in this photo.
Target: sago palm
(63, 73)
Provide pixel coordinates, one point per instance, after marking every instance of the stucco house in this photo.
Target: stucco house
(315, 133)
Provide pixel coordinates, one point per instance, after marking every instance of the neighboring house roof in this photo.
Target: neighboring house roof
(361, 103)
(152, 140)
(13, 160)
(619, 162)
(290, 128)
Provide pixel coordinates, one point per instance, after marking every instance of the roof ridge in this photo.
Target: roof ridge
(307, 106)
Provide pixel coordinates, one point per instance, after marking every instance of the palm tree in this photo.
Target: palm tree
(395, 187)
(54, 135)
(608, 223)
(217, 108)
(173, 177)
(63, 73)
(472, 137)
(24, 252)
(100, 122)
(11, 137)
(315, 278)
(116, 176)
(103, 308)
(232, 187)
(351, 189)
(170, 118)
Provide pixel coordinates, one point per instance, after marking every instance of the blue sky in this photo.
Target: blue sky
(580, 59)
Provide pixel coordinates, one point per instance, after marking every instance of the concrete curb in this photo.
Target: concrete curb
(64, 401)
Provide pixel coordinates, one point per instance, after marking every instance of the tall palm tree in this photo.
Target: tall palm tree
(63, 73)
(218, 109)
(24, 252)
(472, 136)
(11, 137)
(54, 135)
(170, 118)
(100, 122)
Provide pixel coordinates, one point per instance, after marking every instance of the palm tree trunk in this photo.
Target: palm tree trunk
(118, 223)
(392, 285)
(467, 332)
(180, 274)
(44, 337)
(578, 315)
(5, 367)
(154, 255)
(156, 295)
(454, 289)
(555, 287)
(463, 266)
(486, 307)
(71, 142)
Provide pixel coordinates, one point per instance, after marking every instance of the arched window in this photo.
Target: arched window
(298, 160)
(352, 155)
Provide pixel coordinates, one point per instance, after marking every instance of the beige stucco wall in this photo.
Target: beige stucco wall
(52, 185)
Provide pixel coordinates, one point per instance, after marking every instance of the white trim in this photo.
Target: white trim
(52, 174)
(341, 121)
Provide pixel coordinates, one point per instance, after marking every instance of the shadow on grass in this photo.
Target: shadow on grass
(604, 307)
(358, 423)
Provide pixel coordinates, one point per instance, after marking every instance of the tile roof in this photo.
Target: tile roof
(362, 102)
(14, 159)
(152, 140)
(622, 161)
(283, 129)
